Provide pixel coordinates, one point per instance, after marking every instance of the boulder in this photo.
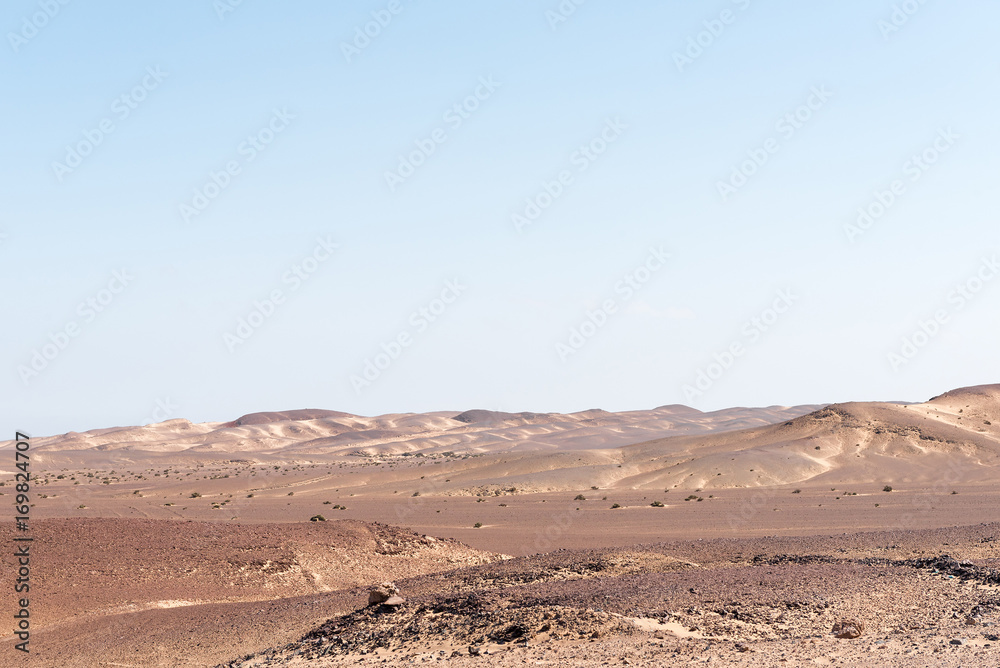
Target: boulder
(382, 593)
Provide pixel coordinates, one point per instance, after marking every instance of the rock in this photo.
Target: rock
(971, 620)
(955, 641)
(382, 593)
(475, 650)
(848, 628)
(740, 647)
(394, 601)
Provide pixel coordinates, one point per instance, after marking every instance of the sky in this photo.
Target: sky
(211, 208)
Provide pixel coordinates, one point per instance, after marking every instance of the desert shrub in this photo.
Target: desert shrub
(477, 525)
(887, 488)
(616, 505)
(657, 504)
(579, 497)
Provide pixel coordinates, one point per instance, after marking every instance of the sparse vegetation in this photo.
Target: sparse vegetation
(615, 505)
(887, 488)
(797, 491)
(579, 497)
(195, 495)
(657, 504)
(317, 518)
(477, 525)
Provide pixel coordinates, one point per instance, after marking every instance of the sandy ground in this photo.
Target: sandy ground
(742, 539)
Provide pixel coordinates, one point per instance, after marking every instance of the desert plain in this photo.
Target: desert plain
(848, 534)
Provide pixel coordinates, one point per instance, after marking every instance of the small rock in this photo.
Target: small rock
(972, 620)
(848, 628)
(955, 641)
(475, 650)
(394, 601)
(740, 647)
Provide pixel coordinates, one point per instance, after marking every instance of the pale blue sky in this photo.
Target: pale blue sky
(162, 337)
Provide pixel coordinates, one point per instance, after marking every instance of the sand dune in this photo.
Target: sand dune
(480, 451)
(326, 432)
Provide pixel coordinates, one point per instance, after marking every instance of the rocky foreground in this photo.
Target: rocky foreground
(888, 599)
